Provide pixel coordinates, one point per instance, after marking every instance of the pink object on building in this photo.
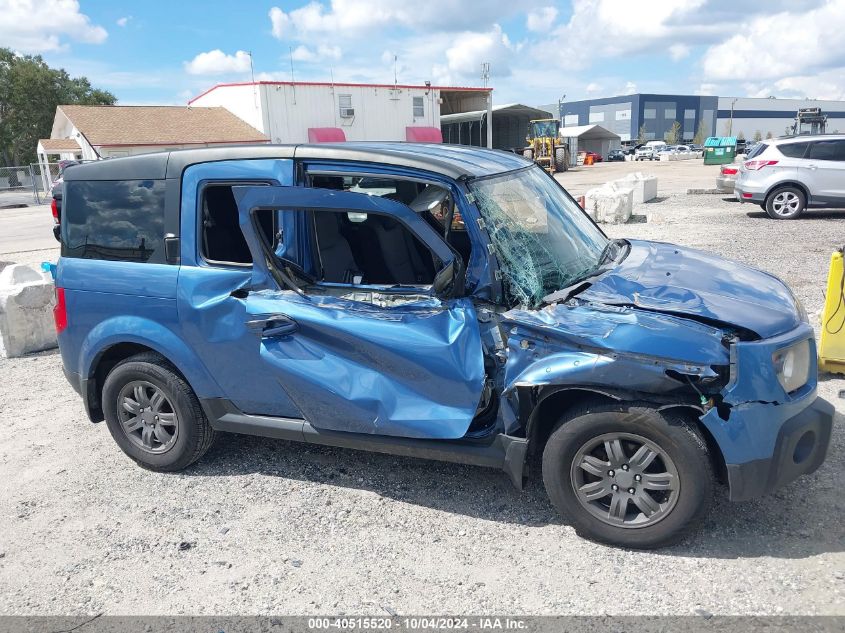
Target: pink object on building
(326, 135)
(423, 134)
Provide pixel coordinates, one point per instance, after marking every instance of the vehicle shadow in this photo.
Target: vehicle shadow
(801, 520)
(809, 214)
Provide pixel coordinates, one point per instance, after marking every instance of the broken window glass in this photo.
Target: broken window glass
(543, 240)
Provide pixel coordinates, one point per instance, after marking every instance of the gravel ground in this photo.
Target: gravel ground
(262, 526)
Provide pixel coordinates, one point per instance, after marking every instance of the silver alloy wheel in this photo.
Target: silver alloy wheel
(625, 480)
(147, 416)
(786, 203)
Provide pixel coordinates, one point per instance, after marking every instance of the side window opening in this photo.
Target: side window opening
(221, 238)
(397, 256)
(370, 249)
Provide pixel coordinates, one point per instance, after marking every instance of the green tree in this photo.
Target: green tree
(701, 133)
(674, 134)
(740, 136)
(769, 135)
(29, 92)
(641, 136)
(758, 135)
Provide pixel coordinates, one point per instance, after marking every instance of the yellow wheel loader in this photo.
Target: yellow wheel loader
(545, 146)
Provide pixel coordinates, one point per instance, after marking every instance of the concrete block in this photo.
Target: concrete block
(27, 298)
(610, 204)
(644, 185)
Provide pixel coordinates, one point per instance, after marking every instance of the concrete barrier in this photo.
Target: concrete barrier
(644, 185)
(610, 204)
(679, 156)
(27, 298)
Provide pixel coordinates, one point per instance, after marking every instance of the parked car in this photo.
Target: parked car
(615, 155)
(595, 156)
(264, 290)
(788, 175)
(726, 179)
(56, 195)
(646, 153)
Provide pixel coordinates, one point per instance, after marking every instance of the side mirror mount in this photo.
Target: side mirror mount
(446, 280)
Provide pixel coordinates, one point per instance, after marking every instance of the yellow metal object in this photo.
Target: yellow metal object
(832, 343)
(545, 146)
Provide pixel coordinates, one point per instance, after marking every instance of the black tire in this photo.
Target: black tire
(561, 164)
(193, 435)
(675, 435)
(786, 203)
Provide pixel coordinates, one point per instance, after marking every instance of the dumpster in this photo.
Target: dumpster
(719, 150)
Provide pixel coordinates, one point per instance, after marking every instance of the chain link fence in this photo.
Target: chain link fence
(26, 184)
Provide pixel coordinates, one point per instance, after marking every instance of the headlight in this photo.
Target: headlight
(792, 365)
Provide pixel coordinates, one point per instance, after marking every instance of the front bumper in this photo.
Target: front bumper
(768, 437)
(800, 449)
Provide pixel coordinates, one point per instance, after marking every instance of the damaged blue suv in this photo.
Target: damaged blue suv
(433, 301)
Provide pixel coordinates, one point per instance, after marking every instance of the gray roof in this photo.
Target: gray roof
(455, 161)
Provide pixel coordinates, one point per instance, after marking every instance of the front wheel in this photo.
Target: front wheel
(786, 203)
(628, 475)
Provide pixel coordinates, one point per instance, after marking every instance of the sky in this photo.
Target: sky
(165, 52)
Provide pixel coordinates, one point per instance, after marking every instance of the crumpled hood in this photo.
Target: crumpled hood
(688, 282)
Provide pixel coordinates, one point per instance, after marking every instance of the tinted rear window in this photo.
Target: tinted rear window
(793, 150)
(114, 220)
(827, 150)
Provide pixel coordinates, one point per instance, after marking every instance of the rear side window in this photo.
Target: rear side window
(116, 220)
(793, 150)
(827, 150)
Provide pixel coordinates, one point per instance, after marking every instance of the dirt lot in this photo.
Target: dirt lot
(262, 526)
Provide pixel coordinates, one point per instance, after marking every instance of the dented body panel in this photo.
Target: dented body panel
(456, 369)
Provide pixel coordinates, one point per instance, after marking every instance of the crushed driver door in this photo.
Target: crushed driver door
(386, 361)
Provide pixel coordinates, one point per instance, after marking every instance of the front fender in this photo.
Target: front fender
(143, 331)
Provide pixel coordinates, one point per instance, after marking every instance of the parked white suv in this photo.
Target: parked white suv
(787, 175)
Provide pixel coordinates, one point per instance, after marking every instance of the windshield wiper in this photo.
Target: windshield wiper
(579, 282)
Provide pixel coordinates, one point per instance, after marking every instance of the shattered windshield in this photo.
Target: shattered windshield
(543, 240)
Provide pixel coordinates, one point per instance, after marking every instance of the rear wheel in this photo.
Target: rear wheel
(786, 203)
(628, 475)
(153, 415)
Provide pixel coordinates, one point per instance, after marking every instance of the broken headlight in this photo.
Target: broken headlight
(792, 365)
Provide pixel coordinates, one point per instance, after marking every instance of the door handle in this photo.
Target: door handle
(273, 325)
(812, 166)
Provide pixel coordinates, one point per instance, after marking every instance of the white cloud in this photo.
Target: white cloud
(630, 88)
(707, 89)
(781, 45)
(280, 21)
(347, 18)
(124, 20)
(304, 54)
(622, 26)
(35, 26)
(678, 51)
(469, 50)
(217, 62)
(593, 88)
(541, 20)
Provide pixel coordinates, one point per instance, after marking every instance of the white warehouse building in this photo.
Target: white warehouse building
(300, 112)
(745, 116)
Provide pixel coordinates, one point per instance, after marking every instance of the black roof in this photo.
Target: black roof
(455, 161)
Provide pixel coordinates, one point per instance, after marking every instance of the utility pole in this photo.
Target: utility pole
(485, 77)
(731, 123)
